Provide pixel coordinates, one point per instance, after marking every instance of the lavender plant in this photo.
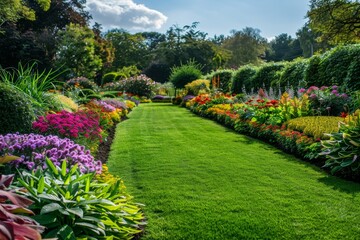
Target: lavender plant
(33, 149)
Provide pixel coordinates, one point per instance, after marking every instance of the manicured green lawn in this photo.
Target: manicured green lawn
(200, 180)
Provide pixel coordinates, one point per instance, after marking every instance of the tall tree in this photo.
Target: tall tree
(338, 21)
(283, 47)
(247, 46)
(76, 52)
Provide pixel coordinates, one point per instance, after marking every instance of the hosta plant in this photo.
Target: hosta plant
(342, 150)
(72, 205)
(14, 224)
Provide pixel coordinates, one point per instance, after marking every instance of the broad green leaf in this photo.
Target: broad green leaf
(76, 211)
(29, 188)
(50, 197)
(91, 227)
(46, 219)
(52, 207)
(66, 233)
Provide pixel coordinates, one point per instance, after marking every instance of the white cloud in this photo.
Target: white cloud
(125, 14)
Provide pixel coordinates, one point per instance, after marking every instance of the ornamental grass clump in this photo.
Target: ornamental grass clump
(33, 149)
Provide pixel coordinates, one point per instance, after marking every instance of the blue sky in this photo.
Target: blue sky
(272, 17)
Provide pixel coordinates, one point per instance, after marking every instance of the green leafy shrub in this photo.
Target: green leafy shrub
(66, 103)
(108, 78)
(184, 74)
(224, 76)
(16, 110)
(34, 84)
(293, 74)
(267, 76)
(335, 64)
(342, 150)
(198, 86)
(242, 78)
(312, 72)
(352, 80)
(315, 126)
(72, 205)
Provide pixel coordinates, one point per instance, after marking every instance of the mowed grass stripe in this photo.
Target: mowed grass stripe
(199, 180)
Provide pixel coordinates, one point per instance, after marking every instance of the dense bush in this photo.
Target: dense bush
(80, 82)
(267, 76)
(108, 78)
(242, 78)
(184, 74)
(224, 77)
(293, 75)
(17, 113)
(335, 64)
(66, 103)
(312, 72)
(198, 86)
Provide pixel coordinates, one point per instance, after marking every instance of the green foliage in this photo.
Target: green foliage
(293, 74)
(80, 82)
(335, 20)
(312, 72)
(225, 77)
(108, 78)
(267, 76)
(315, 126)
(335, 64)
(76, 52)
(75, 206)
(242, 78)
(33, 83)
(343, 148)
(184, 74)
(16, 110)
(198, 86)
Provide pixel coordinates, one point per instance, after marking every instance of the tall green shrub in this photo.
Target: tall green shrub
(243, 78)
(312, 71)
(267, 76)
(16, 111)
(225, 77)
(352, 80)
(293, 74)
(184, 74)
(335, 64)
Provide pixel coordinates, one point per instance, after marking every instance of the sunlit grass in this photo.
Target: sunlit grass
(200, 180)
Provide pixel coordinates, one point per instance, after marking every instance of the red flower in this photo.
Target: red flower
(343, 114)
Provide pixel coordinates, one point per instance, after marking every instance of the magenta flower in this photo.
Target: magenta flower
(302, 90)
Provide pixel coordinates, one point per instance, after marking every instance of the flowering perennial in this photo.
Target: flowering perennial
(70, 125)
(34, 148)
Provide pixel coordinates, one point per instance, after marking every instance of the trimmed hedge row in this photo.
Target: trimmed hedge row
(340, 66)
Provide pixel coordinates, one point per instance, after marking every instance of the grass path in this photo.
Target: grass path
(200, 180)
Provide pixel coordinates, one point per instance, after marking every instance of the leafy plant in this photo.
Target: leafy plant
(33, 83)
(184, 74)
(17, 112)
(342, 150)
(199, 86)
(76, 206)
(13, 208)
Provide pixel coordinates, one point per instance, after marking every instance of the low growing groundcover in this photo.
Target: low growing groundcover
(199, 180)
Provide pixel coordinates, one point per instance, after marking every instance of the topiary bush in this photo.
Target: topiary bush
(243, 78)
(17, 113)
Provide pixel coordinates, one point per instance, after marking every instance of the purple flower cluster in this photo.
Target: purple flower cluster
(34, 148)
(116, 104)
(106, 107)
